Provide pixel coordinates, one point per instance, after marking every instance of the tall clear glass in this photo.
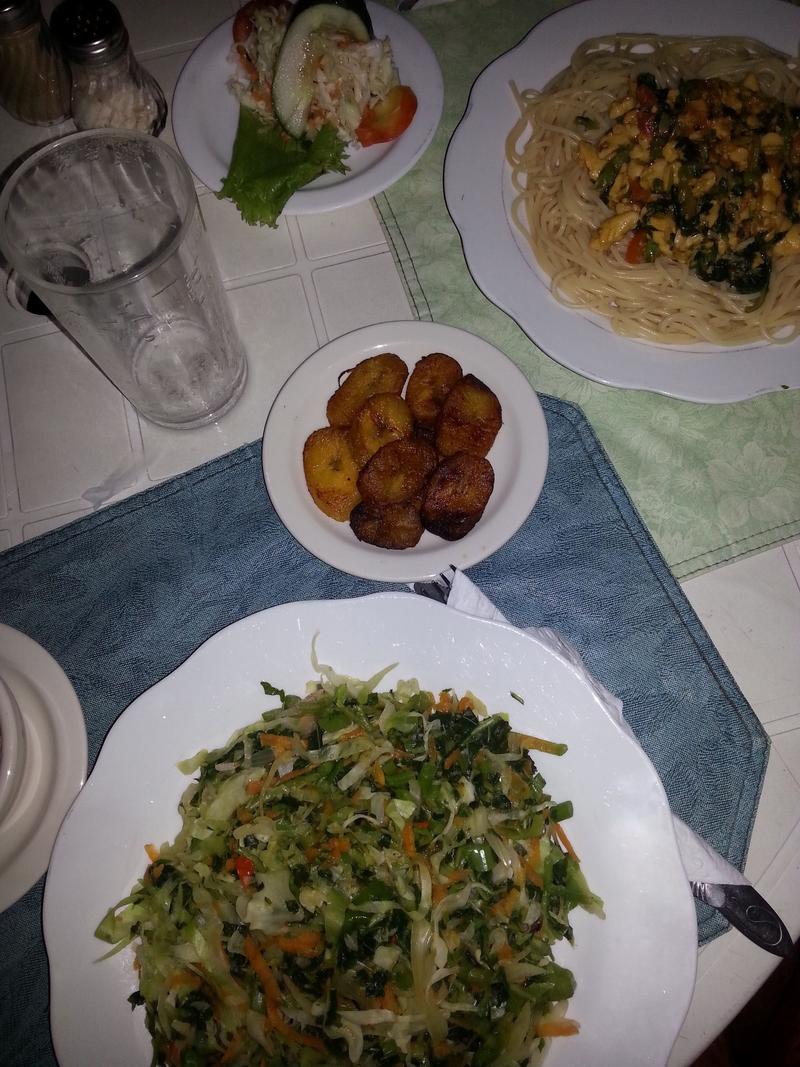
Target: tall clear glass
(104, 226)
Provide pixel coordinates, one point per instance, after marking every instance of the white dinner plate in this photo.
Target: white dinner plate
(479, 196)
(518, 456)
(634, 969)
(55, 761)
(205, 114)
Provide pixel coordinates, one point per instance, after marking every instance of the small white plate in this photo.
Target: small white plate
(205, 114)
(518, 456)
(479, 195)
(55, 761)
(634, 970)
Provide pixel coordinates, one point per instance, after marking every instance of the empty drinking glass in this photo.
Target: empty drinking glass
(104, 226)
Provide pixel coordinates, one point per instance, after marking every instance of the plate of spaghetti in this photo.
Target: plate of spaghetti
(635, 205)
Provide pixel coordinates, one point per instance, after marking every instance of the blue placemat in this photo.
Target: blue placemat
(122, 597)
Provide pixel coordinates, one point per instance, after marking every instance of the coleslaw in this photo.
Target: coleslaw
(361, 877)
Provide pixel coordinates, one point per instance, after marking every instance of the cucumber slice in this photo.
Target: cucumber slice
(301, 48)
(358, 7)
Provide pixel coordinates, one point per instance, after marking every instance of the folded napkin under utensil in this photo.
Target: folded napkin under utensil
(711, 878)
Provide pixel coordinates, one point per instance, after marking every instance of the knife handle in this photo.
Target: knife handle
(745, 908)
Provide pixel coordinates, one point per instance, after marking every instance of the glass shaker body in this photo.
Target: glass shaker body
(117, 94)
(34, 79)
(110, 89)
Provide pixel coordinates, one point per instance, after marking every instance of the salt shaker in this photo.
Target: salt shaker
(34, 79)
(109, 87)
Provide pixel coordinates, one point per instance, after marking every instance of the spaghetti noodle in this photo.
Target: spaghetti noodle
(558, 208)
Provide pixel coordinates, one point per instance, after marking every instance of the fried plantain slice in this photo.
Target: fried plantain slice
(383, 418)
(431, 380)
(385, 373)
(458, 492)
(398, 472)
(391, 526)
(331, 473)
(470, 419)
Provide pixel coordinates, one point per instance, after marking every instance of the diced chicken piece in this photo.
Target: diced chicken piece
(789, 244)
(590, 158)
(771, 144)
(621, 107)
(770, 183)
(704, 184)
(613, 230)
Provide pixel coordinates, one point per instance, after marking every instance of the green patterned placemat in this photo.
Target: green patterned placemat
(712, 482)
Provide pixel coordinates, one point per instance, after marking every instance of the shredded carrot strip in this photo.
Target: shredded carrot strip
(152, 852)
(378, 775)
(389, 1000)
(337, 845)
(279, 742)
(184, 980)
(450, 760)
(357, 731)
(533, 862)
(565, 841)
(294, 774)
(444, 703)
(272, 994)
(307, 943)
(465, 704)
(232, 1049)
(504, 951)
(557, 1028)
(254, 787)
(438, 892)
(409, 844)
(506, 904)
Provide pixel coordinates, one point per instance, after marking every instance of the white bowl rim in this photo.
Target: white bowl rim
(12, 748)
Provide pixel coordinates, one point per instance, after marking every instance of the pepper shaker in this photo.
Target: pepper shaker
(109, 87)
(34, 79)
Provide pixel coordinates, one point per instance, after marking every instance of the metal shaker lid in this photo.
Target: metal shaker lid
(89, 31)
(16, 14)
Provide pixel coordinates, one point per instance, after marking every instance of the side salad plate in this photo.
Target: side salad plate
(205, 114)
(634, 969)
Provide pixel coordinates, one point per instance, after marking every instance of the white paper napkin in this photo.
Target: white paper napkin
(701, 862)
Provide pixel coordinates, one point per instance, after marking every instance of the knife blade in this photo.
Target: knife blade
(745, 908)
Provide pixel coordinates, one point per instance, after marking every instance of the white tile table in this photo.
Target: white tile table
(69, 443)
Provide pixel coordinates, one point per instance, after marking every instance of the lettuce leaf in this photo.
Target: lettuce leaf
(267, 166)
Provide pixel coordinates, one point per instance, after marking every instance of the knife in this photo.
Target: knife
(745, 908)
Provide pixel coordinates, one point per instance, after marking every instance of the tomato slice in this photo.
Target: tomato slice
(389, 118)
(634, 253)
(245, 870)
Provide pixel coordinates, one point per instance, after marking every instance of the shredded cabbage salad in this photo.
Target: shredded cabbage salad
(349, 77)
(361, 877)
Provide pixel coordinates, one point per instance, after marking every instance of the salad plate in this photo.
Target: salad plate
(205, 115)
(519, 454)
(634, 969)
(479, 195)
